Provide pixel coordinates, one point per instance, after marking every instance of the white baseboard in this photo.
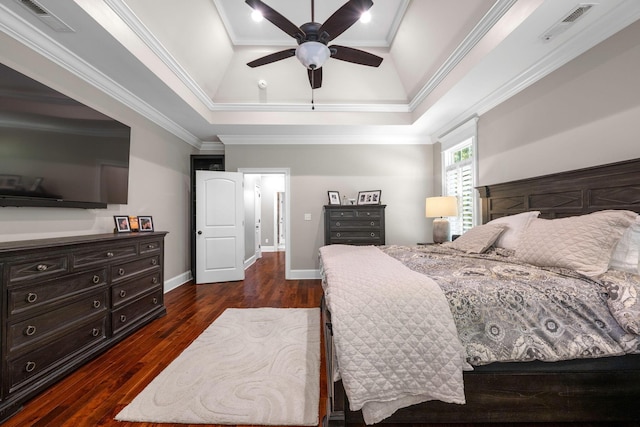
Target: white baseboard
(177, 281)
(304, 274)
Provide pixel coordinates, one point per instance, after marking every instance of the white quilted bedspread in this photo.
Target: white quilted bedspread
(395, 339)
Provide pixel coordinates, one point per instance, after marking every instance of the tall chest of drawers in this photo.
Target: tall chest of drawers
(66, 300)
(354, 224)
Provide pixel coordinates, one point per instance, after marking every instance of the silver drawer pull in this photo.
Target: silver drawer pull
(123, 293)
(41, 267)
(31, 297)
(154, 300)
(372, 223)
(373, 234)
(30, 330)
(338, 224)
(154, 261)
(154, 280)
(30, 366)
(109, 254)
(368, 213)
(95, 279)
(341, 213)
(150, 246)
(95, 332)
(121, 272)
(337, 234)
(123, 318)
(96, 304)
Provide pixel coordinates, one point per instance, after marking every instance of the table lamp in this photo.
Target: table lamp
(439, 208)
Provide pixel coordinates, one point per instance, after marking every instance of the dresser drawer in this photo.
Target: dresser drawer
(129, 314)
(355, 224)
(38, 269)
(30, 332)
(128, 291)
(29, 367)
(373, 237)
(23, 299)
(368, 213)
(150, 247)
(342, 213)
(104, 254)
(124, 271)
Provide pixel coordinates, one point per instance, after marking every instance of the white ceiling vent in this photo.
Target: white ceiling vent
(566, 22)
(45, 16)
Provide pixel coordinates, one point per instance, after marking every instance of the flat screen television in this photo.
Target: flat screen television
(58, 152)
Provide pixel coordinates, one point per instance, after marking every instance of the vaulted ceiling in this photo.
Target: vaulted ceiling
(183, 63)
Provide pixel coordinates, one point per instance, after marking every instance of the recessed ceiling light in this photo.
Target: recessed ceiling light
(365, 17)
(256, 16)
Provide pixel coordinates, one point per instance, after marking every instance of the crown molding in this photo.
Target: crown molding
(487, 22)
(615, 20)
(324, 139)
(25, 33)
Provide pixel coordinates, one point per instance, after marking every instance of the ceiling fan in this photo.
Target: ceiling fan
(313, 37)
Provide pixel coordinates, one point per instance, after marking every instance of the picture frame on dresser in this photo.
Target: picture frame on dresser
(122, 223)
(369, 197)
(145, 223)
(334, 197)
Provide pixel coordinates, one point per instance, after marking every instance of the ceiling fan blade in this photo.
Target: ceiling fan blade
(356, 56)
(315, 77)
(268, 59)
(277, 19)
(344, 18)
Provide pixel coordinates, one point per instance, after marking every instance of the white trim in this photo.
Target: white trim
(287, 206)
(304, 275)
(177, 281)
(462, 132)
(377, 139)
(30, 36)
(249, 262)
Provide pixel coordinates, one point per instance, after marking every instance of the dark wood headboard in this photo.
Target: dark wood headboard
(577, 192)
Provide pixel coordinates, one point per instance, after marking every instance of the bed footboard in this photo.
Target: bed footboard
(590, 390)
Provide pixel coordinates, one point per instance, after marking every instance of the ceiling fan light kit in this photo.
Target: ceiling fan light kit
(313, 38)
(312, 54)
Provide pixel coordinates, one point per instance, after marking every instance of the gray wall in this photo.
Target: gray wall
(158, 174)
(403, 173)
(583, 114)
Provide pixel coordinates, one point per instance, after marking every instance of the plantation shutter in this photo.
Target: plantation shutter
(459, 183)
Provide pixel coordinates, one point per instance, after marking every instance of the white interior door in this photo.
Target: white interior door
(258, 221)
(219, 226)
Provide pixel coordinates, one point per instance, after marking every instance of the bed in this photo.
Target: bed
(595, 379)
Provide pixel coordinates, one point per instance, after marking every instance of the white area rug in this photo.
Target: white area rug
(251, 366)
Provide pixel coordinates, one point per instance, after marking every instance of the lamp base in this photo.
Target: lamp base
(441, 230)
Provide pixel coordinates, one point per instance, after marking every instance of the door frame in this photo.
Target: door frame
(287, 208)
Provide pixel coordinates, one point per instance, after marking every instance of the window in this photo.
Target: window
(459, 165)
(458, 181)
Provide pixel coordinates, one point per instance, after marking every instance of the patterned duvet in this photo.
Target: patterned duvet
(510, 311)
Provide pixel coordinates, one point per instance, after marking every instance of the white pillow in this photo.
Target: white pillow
(581, 243)
(478, 239)
(626, 255)
(516, 224)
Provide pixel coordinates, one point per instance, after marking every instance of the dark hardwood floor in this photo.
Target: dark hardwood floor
(94, 394)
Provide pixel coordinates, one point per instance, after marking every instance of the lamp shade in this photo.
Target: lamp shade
(441, 206)
(312, 54)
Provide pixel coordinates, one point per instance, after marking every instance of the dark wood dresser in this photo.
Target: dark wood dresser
(65, 300)
(354, 224)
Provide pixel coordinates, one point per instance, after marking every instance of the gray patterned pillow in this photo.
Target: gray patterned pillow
(478, 239)
(581, 243)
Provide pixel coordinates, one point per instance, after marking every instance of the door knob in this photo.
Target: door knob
(199, 232)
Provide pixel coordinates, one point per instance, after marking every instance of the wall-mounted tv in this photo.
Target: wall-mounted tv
(58, 152)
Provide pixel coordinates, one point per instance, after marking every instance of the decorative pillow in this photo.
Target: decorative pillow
(581, 243)
(516, 224)
(478, 239)
(626, 255)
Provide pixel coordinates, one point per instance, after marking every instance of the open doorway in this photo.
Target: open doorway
(266, 217)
